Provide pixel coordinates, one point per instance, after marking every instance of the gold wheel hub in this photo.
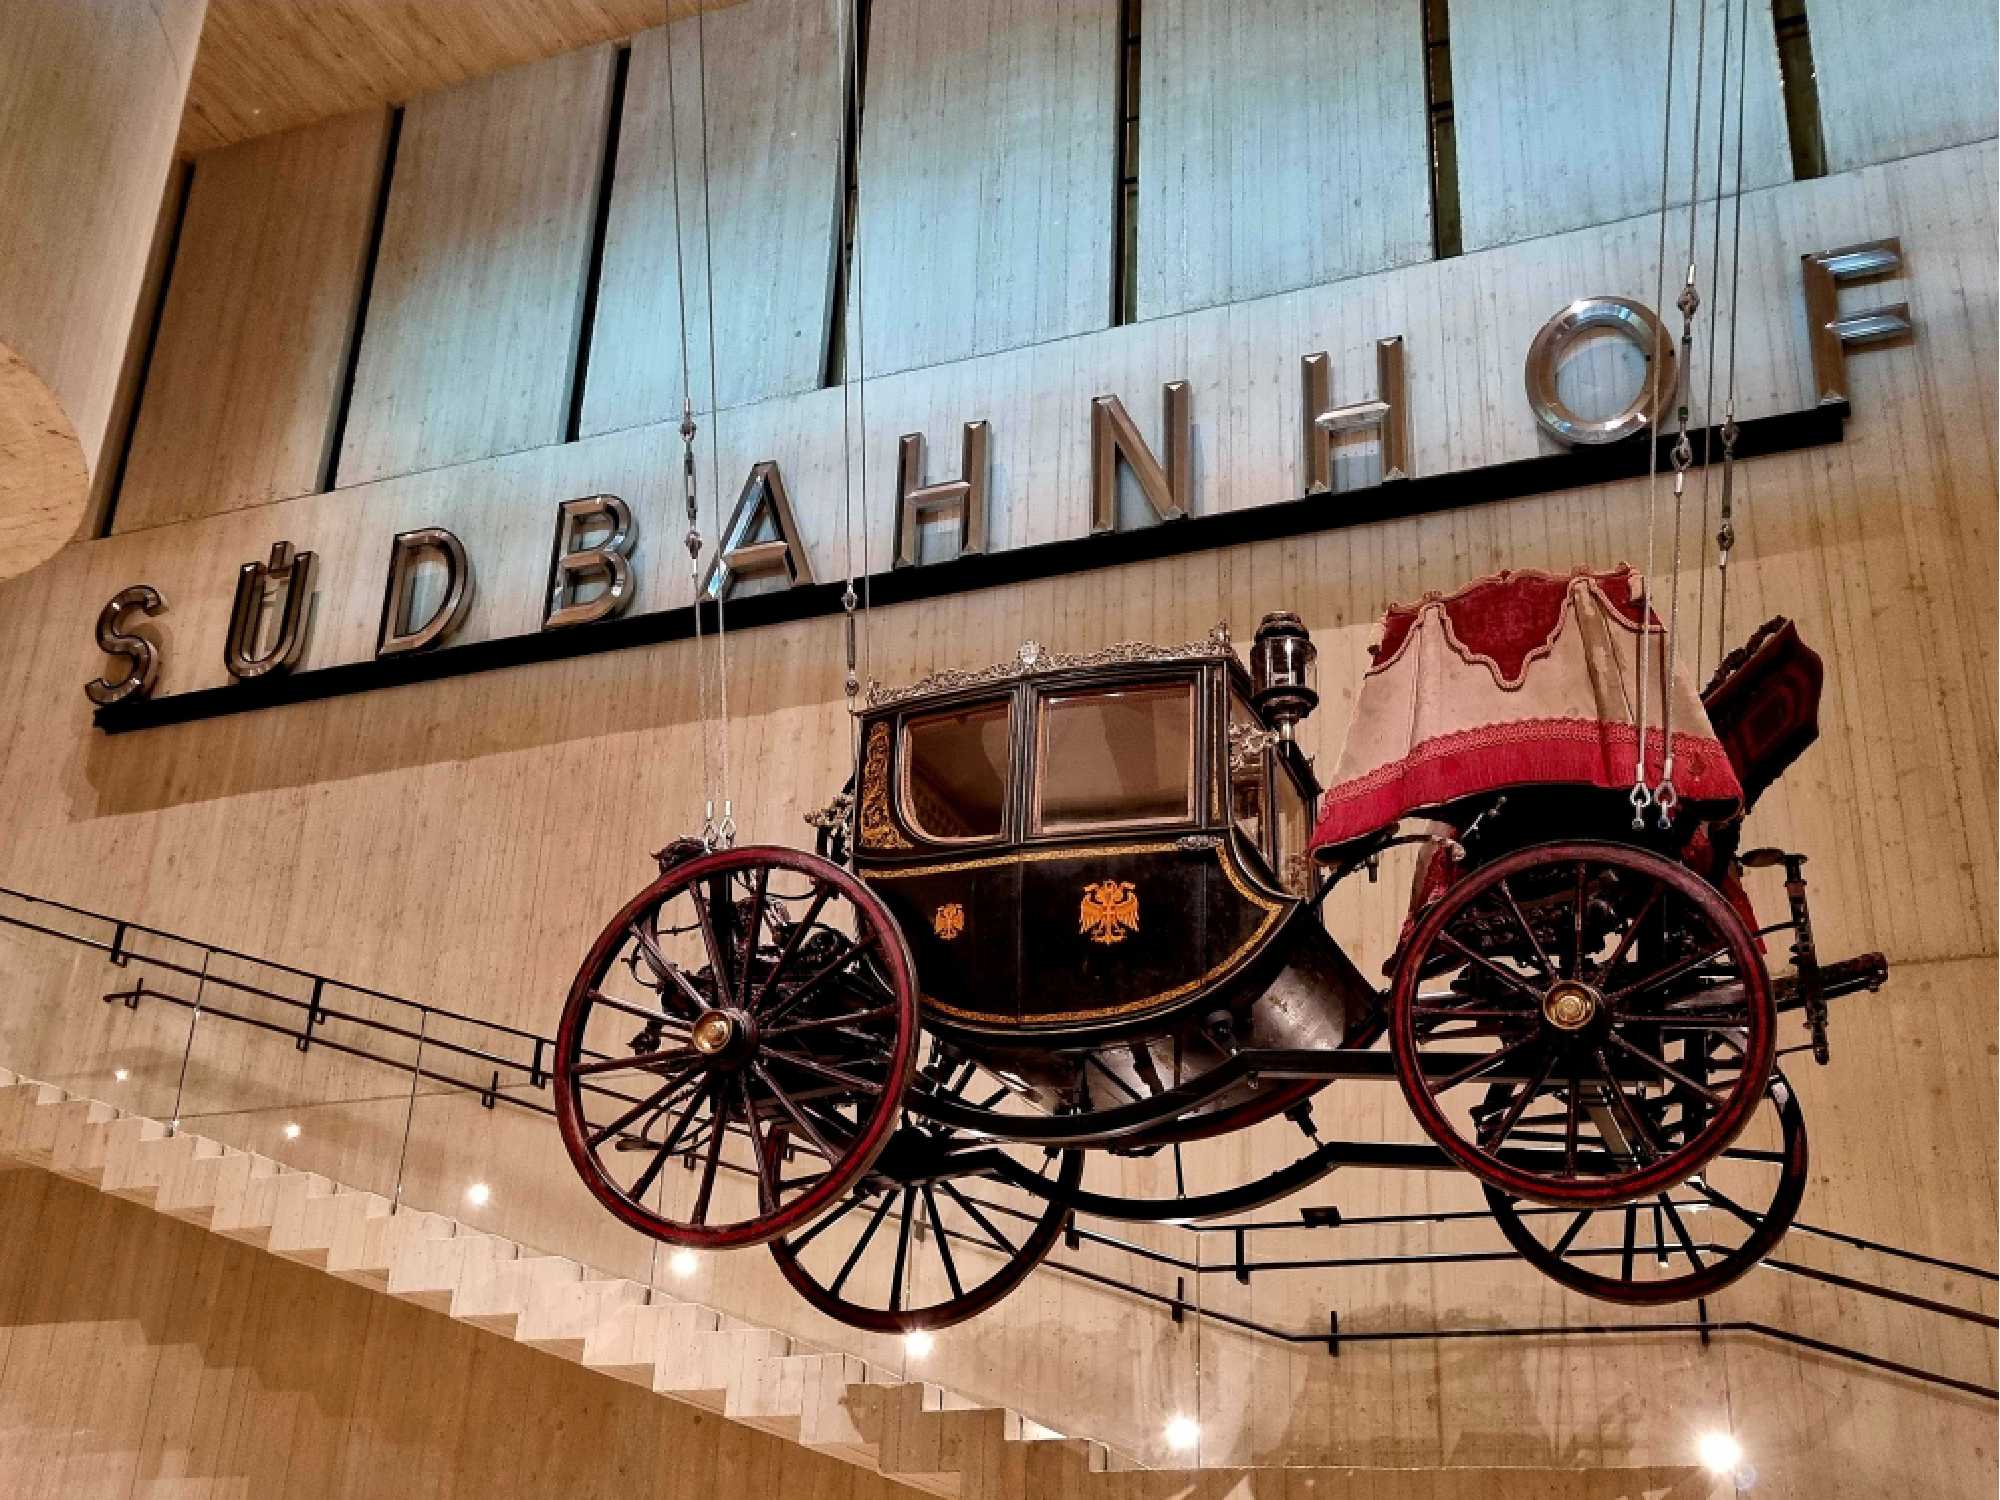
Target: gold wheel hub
(714, 1033)
(1571, 1005)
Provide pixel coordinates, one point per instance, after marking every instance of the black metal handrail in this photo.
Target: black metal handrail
(1241, 1266)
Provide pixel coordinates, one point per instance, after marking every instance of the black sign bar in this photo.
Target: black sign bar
(1420, 495)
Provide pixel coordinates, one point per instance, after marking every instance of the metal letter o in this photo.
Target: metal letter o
(1545, 355)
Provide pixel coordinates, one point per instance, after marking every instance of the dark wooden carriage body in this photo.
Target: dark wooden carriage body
(1092, 882)
(1115, 929)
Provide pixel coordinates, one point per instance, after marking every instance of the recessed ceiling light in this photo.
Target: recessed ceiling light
(683, 1262)
(1183, 1432)
(122, 1074)
(292, 1130)
(917, 1343)
(1720, 1453)
(478, 1194)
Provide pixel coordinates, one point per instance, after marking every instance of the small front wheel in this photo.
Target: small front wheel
(1617, 998)
(752, 1013)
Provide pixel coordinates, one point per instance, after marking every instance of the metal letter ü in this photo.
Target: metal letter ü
(291, 572)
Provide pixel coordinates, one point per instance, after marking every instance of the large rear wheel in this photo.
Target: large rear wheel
(1603, 988)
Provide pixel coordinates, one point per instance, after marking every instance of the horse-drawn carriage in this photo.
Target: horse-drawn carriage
(1073, 904)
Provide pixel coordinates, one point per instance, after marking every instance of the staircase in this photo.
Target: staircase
(913, 1432)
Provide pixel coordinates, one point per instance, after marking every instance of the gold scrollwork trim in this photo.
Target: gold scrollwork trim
(878, 829)
(1033, 661)
(1272, 911)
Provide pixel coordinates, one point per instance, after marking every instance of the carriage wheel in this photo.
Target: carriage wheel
(1685, 1244)
(1604, 983)
(930, 1238)
(752, 1013)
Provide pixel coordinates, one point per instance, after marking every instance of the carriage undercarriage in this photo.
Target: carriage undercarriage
(852, 1068)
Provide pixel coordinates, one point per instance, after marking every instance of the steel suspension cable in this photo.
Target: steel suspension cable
(1725, 535)
(693, 539)
(1665, 796)
(726, 830)
(1642, 796)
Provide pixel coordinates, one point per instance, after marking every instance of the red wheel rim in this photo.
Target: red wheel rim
(844, 1005)
(1557, 1009)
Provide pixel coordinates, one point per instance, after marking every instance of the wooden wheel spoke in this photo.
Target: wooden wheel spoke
(1726, 1203)
(756, 925)
(1625, 1112)
(1572, 1116)
(667, 971)
(1481, 1068)
(658, 1099)
(1471, 1013)
(852, 1018)
(902, 1250)
(1527, 929)
(1499, 971)
(674, 1137)
(943, 1242)
(825, 1070)
(1519, 1105)
(673, 1058)
(1680, 1230)
(1576, 919)
(800, 930)
(861, 1245)
(719, 1127)
(1664, 1069)
(626, 1007)
(813, 1232)
(1669, 974)
(718, 964)
(799, 1116)
(972, 1211)
(1632, 927)
(851, 949)
(1570, 1234)
(767, 1176)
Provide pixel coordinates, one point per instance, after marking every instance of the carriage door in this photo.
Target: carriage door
(958, 907)
(1112, 911)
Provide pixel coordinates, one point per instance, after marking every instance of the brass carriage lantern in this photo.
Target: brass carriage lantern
(1284, 671)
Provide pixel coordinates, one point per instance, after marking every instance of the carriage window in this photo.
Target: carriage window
(955, 772)
(1117, 757)
(1249, 781)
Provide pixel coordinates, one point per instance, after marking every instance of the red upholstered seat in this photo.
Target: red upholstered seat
(1515, 680)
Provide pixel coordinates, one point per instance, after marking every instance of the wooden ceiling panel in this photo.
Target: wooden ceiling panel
(269, 65)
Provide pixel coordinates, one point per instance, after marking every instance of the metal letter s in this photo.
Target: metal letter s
(114, 640)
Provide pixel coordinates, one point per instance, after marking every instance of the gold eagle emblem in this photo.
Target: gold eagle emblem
(949, 920)
(1110, 911)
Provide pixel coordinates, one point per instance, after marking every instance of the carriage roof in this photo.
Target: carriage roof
(1034, 662)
